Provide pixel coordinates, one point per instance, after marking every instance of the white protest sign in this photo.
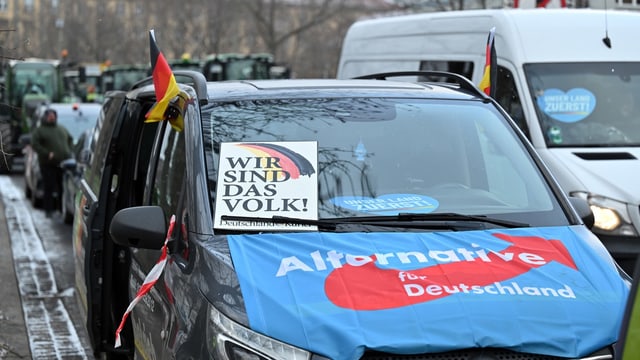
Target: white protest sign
(265, 179)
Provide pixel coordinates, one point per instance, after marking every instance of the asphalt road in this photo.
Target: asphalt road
(39, 315)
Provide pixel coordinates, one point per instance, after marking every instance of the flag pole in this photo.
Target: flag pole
(490, 76)
(164, 83)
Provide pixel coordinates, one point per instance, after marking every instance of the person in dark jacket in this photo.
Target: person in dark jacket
(53, 144)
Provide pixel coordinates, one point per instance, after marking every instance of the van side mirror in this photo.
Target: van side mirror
(69, 164)
(83, 156)
(584, 210)
(141, 227)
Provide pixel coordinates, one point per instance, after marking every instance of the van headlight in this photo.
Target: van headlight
(611, 216)
(229, 340)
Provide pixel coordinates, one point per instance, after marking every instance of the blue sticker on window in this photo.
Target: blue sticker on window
(574, 105)
(389, 204)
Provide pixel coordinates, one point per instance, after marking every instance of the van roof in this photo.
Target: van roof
(309, 88)
(550, 35)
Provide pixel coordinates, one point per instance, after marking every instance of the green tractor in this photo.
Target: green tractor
(185, 63)
(83, 82)
(232, 66)
(26, 84)
(123, 76)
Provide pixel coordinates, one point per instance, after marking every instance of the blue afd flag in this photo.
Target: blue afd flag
(552, 291)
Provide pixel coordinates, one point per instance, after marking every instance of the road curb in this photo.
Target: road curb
(14, 341)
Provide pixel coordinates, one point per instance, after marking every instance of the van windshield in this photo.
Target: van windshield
(587, 104)
(387, 156)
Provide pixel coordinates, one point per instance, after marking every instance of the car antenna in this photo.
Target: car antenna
(606, 40)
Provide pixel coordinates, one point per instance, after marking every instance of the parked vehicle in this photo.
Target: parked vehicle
(334, 219)
(574, 94)
(72, 175)
(76, 118)
(234, 66)
(84, 81)
(123, 76)
(186, 63)
(25, 85)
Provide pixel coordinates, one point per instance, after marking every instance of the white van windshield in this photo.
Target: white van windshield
(587, 104)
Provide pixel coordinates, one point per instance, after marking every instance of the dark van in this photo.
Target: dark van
(334, 219)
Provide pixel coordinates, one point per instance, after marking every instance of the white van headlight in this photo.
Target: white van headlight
(611, 216)
(229, 340)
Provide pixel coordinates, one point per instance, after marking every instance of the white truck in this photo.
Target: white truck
(570, 78)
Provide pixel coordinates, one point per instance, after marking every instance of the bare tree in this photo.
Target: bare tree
(271, 16)
(304, 34)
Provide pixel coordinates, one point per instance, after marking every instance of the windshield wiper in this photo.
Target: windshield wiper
(412, 217)
(451, 221)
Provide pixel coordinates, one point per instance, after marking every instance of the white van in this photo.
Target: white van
(569, 77)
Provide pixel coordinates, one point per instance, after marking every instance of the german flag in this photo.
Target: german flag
(164, 82)
(490, 76)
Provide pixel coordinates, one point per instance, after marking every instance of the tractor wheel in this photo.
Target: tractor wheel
(6, 158)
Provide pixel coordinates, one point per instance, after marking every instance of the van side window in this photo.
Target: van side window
(170, 171)
(99, 143)
(169, 188)
(464, 68)
(507, 96)
(142, 159)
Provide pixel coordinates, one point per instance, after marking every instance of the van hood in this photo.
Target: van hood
(609, 172)
(552, 291)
